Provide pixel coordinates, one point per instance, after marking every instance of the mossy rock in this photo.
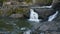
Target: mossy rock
(20, 32)
(24, 11)
(3, 0)
(44, 2)
(28, 1)
(1, 12)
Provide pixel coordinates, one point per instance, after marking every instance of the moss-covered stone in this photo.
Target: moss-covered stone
(1, 12)
(17, 10)
(43, 2)
(28, 1)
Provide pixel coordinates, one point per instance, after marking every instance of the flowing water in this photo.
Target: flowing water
(33, 16)
(50, 18)
(33, 20)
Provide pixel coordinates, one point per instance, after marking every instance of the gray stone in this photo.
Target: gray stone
(53, 28)
(53, 32)
(44, 12)
(16, 15)
(58, 32)
(44, 27)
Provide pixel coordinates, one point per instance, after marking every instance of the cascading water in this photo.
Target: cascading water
(53, 16)
(27, 32)
(33, 16)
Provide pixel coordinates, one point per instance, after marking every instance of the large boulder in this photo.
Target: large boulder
(44, 13)
(49, 26)
(16, 16)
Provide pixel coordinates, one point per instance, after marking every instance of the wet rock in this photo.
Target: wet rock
(44, 28)
(53, 32)
(16, 16)
(53, 28)
(44, 13)
(48, 26)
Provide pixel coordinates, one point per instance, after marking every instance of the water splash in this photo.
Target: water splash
(53, 16)
(33, 16)
(27, 32)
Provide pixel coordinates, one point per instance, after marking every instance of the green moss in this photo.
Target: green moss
(21, 10)
(1, 12)
(17, 10)
(20, 33)
(9, 12)
(28, 1)
(8, 27)
(49, 1)
(23, 23)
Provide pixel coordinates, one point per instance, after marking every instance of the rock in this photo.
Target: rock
(48, 26)
(42, 33)
(44, 13)
(16, 16)
(53, 32)
(27, 14)
(43, 2)
(56, 6)
(53, 28)
(55, 1)
(44, 27)
(58, 32)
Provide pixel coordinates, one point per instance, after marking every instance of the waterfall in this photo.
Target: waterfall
(53, 16)
(33, 16)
